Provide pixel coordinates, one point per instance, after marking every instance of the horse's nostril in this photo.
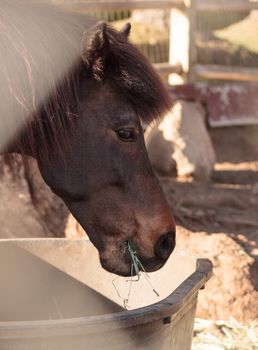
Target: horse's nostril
(165, 245)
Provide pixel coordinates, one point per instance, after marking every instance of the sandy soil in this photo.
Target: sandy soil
(220, 221)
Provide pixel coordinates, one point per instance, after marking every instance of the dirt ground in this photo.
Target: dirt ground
(218, 220)
(28, 208)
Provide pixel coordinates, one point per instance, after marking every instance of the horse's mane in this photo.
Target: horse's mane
(122, 65)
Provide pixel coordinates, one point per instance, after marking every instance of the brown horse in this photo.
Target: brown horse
(88, 141)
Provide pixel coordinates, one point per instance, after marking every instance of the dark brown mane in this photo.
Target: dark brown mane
(123, 66)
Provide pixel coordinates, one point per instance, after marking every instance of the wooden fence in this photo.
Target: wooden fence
(183, 64)
(239, 71)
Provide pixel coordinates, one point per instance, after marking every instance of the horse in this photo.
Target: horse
(87, 137)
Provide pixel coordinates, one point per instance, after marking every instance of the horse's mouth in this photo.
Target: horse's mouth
(124, 266)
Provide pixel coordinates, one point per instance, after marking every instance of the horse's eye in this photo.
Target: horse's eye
(126, 134)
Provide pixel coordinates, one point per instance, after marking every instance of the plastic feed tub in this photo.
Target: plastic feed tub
(54, 295)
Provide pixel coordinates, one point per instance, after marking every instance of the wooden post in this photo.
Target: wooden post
(178, 44)
(182, 42)
(192, 14)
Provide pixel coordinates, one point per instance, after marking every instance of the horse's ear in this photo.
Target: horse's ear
(97, 49)
(99, 41)
(126, 30)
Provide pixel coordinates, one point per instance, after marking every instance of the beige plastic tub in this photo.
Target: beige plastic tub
(54, 295)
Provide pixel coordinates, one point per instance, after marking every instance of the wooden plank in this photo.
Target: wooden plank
(224, 5)
(227, 103)
(107, 5)
(166, 68)
(218, 72)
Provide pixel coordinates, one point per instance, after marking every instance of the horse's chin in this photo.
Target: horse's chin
(121, 268)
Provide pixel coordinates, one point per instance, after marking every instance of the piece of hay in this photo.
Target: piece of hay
(138, 269)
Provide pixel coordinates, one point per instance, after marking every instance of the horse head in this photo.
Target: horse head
(104, 175)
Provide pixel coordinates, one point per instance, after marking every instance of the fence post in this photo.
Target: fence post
(182, 48)
(192, 17)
